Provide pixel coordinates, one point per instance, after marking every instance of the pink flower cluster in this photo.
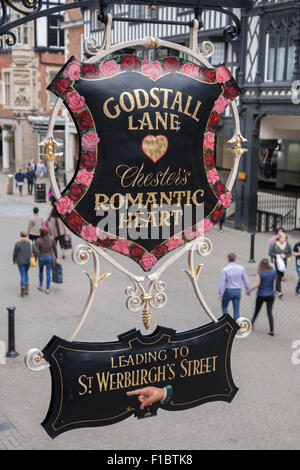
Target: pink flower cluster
(204, 226)
(109, 68)
(64, 205)
(209, 140)
(90, 233)
(174, 242)
(89, 140)
(190, 69)
(221, 104)
(84, 177)
(121, 246)
(151, 69)
(72, 71)
(223, 74)
(148, 260)
(212, 176)
(75, 102)
(225, 199)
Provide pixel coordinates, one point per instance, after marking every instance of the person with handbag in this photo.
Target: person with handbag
(280, 251)
(47, 252)
(57, 230)
(24, 256)
(35, 223)
(264, 284)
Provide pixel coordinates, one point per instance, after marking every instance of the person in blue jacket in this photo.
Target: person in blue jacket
(20, 177)
(30, 176)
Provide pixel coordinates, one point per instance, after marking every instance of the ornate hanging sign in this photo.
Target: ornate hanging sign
(145, 185)
(97, 384)
(146, 181)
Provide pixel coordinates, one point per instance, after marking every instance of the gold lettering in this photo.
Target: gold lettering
(107, 112)
(82, 384)
(187, 105)
(138, 98)
(130, 124)
(103, 380)
(163, 121)
(146, 121)
(130, 108)
(102, 203)
(194, 116)
(177, 101)
(155, 97)
(166, 92)
(194, 197)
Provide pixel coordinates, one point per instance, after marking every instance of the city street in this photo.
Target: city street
(265, 414)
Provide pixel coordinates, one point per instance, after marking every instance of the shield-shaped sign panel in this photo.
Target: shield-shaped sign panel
(146, 181)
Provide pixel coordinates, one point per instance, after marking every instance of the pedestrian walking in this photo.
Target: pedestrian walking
(273, 239)
(23, 251)
(265, 279)
(47, 254)
(20, 177)
(40, 169)
(280, 251)
(221, 222)
(57, 230)
(230, 285)
(296, 253)
(35, 223)
(30, 176)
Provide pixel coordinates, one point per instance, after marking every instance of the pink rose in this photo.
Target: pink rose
(64, 205)
(221, 104)
(225, 199)
(209, 140)
(190, 69)
(89, 140)
(152, 69)
(108, 68)
(174, 242)
(72, 71)
(89, 233)
(212, 176)
(204, 226)
(121, 246)
(76, 102)
(84, 177)
(148, 260)
(223, 74)
(189, 233)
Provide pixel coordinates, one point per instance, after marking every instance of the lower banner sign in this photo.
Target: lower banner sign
(97, 384)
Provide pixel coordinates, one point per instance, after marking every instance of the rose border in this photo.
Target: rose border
(63, 83)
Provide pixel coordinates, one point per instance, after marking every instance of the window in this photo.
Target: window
(53, 97)
(280, 53)
(219, 53)
(6, 79)
(55, 33)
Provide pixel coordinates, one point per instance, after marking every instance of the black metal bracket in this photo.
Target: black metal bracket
(33, 10)
(230, 33)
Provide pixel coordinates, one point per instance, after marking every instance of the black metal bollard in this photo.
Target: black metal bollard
(11, 333)
(252, 260)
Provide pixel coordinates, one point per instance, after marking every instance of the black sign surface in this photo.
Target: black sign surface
(146, 181)
(90, 381)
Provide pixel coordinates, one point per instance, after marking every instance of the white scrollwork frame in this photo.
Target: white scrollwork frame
(139, 297)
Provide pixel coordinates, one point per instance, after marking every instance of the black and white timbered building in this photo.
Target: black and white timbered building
(265, 61)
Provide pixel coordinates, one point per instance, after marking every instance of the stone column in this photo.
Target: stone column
(5, 151)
